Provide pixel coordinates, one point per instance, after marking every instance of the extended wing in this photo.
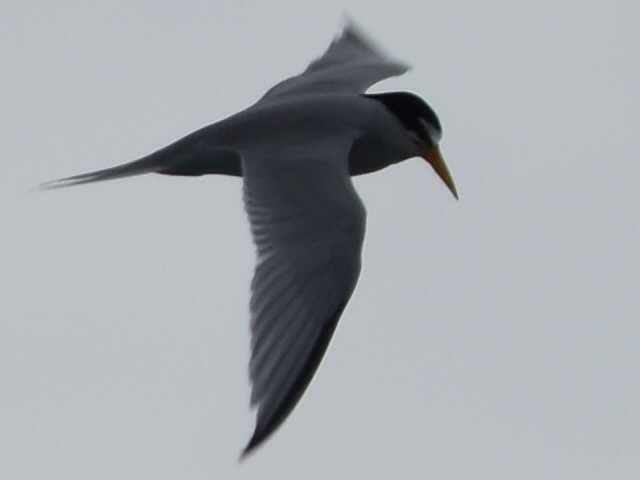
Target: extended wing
(308, 226)
(351, 64)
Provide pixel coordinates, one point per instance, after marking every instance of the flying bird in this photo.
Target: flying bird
(296, 150)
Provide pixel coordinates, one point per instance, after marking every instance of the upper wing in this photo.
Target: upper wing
(308, 226)
(350, 65)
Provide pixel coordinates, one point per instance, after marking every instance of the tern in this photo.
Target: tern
(296, 150)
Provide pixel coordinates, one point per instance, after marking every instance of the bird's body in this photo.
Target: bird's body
(296, 150)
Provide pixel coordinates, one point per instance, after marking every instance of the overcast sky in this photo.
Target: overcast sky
(494, 337)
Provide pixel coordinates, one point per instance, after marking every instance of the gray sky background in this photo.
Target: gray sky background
(494, 337)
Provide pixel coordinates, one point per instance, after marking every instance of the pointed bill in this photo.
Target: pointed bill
(434, 157)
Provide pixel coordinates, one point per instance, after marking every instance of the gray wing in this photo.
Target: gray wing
(308, 225)
(350, 65)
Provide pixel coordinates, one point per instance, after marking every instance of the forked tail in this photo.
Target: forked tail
(192, 155)
(138, 167)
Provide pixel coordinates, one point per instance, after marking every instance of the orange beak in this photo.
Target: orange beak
(434, 157)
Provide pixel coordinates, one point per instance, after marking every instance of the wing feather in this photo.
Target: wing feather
(308, 226)
(351, 64)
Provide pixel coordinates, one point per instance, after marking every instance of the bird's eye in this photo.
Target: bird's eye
(434, 133)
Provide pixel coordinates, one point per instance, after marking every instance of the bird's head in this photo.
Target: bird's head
(423, 126)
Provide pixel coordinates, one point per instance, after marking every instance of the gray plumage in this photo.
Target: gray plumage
(296, 150)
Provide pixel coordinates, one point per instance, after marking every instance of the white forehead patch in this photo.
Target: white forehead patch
(435, 135)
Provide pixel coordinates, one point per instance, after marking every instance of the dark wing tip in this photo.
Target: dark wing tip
(257, 438)
(351, 29)
(352, 32)
(355, 33)
(265, 427)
